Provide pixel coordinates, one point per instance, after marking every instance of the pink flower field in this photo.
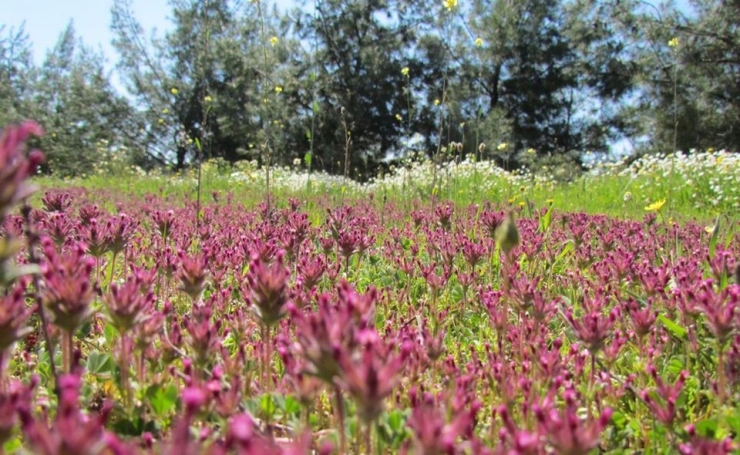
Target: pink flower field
(157, 325)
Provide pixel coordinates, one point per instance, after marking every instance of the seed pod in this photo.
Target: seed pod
(507, 235)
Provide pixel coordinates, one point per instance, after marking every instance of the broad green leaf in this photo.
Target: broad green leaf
(706, 428)
(14, 445)
(267, 405)
(100, 364)
(675, 366)
(162, 399)
(292, 406)
(110, 333)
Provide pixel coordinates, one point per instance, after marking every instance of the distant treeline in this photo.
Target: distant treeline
(375, 80)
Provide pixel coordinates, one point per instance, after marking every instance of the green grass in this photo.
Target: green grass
(591, 194)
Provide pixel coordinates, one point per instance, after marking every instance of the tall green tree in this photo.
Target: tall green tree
(540, 75)
(361, 96)
(84, 118)
(213, 85)
(17, 73)
(689, 60)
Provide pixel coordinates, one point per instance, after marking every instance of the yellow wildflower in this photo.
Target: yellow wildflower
(673, 42)
(274, 40)
(449, 4)
(405, 71)
(502, 146)
(436, 101)
(165, 111)
(478, 42)
(174, 91)
(278, 89)
(208, 99)
(399, 117)
(655, 206)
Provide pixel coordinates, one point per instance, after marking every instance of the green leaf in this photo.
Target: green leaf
(618, 419)
(456, 292)
(292, 406)
(675, 329)
(546, 220)
(100, 364)
(706, 428)
(110, 333)
(675, 366)
(568, 246)
(713, 238)
(267, 405)
(162, 400)
(14, 445)
(730, 232)
(733, 422)
(229, 342)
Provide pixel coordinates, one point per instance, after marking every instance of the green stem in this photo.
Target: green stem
(268, 360)
(340, 419)
(112, 269)
(33, 238)
(125, 381)
(368, 437)
(720, 375)
(67, 352)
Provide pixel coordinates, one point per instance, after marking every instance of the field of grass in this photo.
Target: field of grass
(698, 186)
(462, 310)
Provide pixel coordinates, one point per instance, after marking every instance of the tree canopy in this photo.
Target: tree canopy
(354, 84)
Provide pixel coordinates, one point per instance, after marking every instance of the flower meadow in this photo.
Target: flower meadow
(135, 325)
(697, 185)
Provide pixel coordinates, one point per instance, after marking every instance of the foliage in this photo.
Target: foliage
(355, 87)
(687, 64)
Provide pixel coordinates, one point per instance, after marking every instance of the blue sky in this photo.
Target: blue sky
(46, 19)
